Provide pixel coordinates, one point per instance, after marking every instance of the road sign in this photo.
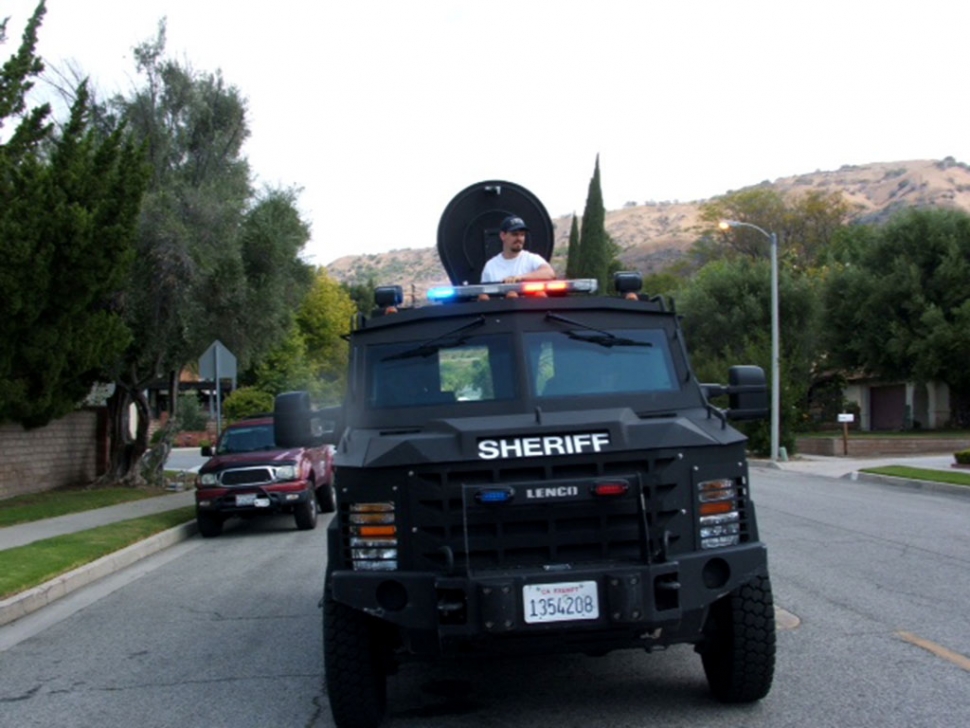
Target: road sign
(216, 364)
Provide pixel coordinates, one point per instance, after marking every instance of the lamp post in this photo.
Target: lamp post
(775, 355)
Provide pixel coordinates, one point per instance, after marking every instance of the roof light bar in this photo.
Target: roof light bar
(443, 294)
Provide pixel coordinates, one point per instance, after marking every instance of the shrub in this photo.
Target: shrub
(245, 402)
(192, 417)
(962, 457)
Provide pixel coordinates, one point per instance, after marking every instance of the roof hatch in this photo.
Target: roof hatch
(468, 230)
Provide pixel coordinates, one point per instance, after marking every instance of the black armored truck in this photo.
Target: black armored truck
(534, 468)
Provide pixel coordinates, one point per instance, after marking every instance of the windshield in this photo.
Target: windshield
(246, 439)
(583, 361)
(457, 369)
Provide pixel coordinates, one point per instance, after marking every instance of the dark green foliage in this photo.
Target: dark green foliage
(246, 402)
(899, 306)
(67, 230)
(727, 321)
(362, 294)
(192, 417)
(595, 255)
(573, 253)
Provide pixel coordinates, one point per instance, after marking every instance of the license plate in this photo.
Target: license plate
(261, 503)
(562, 602)
(247, 499)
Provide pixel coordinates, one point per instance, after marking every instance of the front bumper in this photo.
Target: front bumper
(668, 600)
(275, 498)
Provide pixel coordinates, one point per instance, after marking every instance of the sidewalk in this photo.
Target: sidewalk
(846, 467)
(25, 533)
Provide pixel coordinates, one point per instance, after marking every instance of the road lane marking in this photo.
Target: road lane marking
(961, 661)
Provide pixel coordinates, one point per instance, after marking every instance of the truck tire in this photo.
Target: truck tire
(354, 665)
(305, 514)
(326, 499)
(210, 524)
(739, 653)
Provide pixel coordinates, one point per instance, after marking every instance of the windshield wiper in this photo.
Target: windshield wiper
(603, 338)
(432, 346)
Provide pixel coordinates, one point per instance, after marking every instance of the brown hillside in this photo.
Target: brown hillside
(655, 234)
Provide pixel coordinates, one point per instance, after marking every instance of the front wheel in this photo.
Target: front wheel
(210, 524)
(739, 652)
(355, 666)
(305, 513)
(327, 498)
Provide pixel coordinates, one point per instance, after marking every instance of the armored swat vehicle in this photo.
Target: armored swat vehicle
(531, 468)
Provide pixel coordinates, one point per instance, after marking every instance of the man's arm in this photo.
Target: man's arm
(542, 273)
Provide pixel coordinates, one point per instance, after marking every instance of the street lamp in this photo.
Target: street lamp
(775, 356)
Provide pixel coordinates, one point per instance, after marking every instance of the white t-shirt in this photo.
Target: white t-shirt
(499, 268)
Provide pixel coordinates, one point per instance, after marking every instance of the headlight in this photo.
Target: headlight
(373, 537)
(209, 479)
(287, 472)
(720, 520)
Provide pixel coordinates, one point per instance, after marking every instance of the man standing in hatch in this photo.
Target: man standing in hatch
(514, 263)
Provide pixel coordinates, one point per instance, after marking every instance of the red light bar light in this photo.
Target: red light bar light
(610, 489)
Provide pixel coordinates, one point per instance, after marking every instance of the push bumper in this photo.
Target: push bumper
(671, 596)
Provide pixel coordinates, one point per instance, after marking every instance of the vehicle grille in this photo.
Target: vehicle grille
(454, 534)
(246, 476)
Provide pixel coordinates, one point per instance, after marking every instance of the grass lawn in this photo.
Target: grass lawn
(28, 566)
(936, 476)
(38, 506)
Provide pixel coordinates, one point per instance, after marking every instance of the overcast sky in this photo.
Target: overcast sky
(382, 110)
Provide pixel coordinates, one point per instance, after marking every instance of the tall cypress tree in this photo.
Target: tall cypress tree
(573, 253)
(594, 259)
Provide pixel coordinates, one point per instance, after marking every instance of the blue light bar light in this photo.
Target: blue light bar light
(495, 495)
(441, 294)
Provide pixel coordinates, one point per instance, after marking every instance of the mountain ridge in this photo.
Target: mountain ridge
(654, 235)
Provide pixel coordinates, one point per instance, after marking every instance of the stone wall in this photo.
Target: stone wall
(876, 446)
(69, 451)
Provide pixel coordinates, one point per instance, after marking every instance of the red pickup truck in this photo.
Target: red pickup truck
(248, 475)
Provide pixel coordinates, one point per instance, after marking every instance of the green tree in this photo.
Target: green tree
(362, 294)
(214, 258)
(806, 224)
(596, 254)
(726, 312)
(573, 253)
(69, 217)
(246, 402)
(324, 319)
(898, 304)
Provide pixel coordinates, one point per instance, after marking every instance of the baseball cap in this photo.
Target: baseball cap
(513, 223)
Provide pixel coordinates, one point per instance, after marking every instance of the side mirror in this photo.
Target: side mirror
(747, 393)
(297, 424)
(207, 451)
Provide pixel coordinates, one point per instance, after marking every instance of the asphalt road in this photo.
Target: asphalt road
(227, 632)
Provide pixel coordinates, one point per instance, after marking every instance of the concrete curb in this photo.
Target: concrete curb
(927, 485)
(20, 605)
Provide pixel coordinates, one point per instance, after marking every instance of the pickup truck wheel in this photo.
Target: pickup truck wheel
(210, 524)
(326, 497)
(305, 513)
(354, 665)
(739, 655)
